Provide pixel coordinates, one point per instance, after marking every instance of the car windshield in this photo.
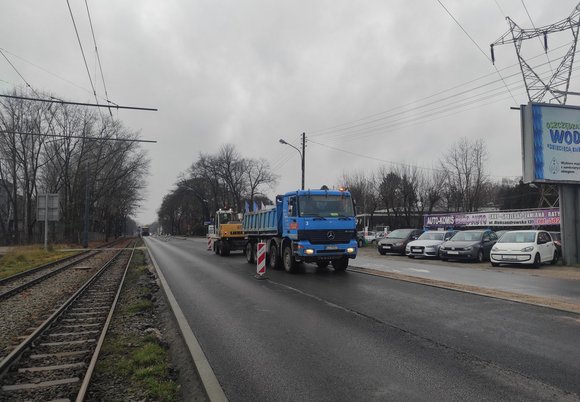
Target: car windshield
(518, 237)
(326, 206)
(399, 233)
(432, 236)
(467, 236)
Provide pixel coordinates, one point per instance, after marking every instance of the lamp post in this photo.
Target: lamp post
(300, 152)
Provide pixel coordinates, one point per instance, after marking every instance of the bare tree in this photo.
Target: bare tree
(466, 176)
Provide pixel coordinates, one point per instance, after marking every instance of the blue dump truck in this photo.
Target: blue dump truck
(313, 226)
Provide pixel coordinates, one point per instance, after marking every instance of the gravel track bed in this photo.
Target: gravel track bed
(22, 313)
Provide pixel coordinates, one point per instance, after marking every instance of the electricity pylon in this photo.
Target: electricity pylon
(538, 90)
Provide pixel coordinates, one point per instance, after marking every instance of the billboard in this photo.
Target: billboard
(550, 143)
(532, 217)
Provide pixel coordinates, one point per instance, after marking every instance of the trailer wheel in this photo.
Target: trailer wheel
(273, 258)
(340, 265)
(289, 261)
(250, 253)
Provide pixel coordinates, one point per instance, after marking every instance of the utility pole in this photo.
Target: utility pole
(303, 156)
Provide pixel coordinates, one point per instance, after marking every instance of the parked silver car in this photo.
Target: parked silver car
(427, 245)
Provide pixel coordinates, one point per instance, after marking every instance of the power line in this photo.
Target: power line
(476, 44)
(540, 39)
(54, 100)
(365, 120)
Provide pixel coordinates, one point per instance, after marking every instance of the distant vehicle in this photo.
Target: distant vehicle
(374, 237)
(427, 245)
(145, 231)
(396, 241)
(524, 247)
(474, 245)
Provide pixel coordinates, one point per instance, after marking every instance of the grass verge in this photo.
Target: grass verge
(134, 362)
(23, 258)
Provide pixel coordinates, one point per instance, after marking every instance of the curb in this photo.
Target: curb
(208, 378)
(495, 294)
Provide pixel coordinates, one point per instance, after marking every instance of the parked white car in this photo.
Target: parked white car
(524, 247)
(427, 245)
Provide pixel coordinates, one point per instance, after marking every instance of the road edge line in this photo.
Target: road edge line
(210, 383)
(485, 292)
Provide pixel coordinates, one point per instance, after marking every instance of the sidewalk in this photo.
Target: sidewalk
(554, 286)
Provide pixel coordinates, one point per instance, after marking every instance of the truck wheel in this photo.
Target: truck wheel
(274, 259)
(289, 260)
(250, 257)
(340, 265)
(216, 247)
(225, 249)
(322, 264)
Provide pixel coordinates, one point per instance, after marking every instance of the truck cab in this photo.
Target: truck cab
(317, 226)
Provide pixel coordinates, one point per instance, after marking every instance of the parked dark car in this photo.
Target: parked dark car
(396, 241)
(474, 245)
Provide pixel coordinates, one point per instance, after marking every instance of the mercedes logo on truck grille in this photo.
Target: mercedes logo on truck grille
(330, 235)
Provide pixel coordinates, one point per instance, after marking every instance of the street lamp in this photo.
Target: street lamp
(300, 152)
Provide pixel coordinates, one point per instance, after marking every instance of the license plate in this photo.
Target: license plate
(453, 252)
(331, 247)
(416, 249)
(386, 246)
(508, 257)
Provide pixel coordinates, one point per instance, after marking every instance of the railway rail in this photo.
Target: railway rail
(19, 282)
(56, 361)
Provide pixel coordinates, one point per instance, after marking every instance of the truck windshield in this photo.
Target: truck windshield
(323, 206)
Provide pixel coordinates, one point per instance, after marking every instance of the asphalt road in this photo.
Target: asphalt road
(326, 336)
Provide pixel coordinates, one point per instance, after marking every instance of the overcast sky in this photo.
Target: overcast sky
(370, 82)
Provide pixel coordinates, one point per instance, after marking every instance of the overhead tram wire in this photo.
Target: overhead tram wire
(46, 71)
(82, 51)
(78, 103)
(475, 43)
(81, 137)
(98, 56)
(364, 121)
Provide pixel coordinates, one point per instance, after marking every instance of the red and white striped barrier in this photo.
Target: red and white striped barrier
(261, 258)
(209, 244)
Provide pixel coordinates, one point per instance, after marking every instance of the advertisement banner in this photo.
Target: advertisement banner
(551, 143)
(533, 218)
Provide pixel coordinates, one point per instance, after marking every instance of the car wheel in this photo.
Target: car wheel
(360, 243)
(537, 261)
(289, 260)
(555, 258)
(443, 259)
(480, 256)
(494, 264)
(381, 252)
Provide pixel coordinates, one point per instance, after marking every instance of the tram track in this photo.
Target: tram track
(56, 360)
(17, 283)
